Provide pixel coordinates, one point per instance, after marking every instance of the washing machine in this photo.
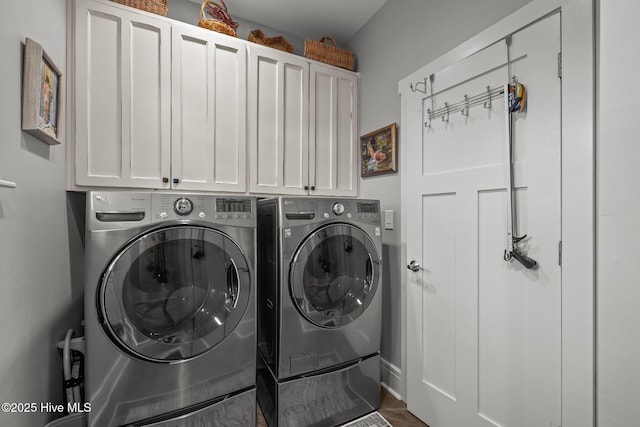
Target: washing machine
(170, 315)
(319, 309)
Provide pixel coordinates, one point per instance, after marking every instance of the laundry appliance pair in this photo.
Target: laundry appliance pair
(319, 310)
(170, 309)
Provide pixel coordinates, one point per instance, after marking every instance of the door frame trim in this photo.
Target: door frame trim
(578, 189)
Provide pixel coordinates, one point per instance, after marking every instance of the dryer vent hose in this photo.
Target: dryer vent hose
(72, 360)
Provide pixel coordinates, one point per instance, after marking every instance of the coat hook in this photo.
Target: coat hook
(445, 118)
(417, 89)
(487, 103)
(465, 110)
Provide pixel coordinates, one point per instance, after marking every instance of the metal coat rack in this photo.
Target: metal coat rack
(444, 113)
(485, 99)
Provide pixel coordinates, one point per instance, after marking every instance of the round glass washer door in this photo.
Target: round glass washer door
(174, 293)
(334, 275)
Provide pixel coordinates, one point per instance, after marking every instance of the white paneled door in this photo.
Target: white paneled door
(484, 334)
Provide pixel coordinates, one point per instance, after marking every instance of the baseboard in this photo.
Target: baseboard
(391, 378)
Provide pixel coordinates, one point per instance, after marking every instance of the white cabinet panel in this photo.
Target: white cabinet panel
(264, 97)
(333, 127)
(149, 105)
(122, 103)
(323, 135)
(295, 150)
(347, 135)
(209, 111)
(104, 124)
(278, 117)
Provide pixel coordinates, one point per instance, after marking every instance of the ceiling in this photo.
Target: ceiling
(340, 19)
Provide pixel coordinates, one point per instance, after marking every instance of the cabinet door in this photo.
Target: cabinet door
(209, 92)
(122, 102)
(278, 122)
(333, 162)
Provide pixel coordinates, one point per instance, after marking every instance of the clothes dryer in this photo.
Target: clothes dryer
(170, 309)
(319, 309)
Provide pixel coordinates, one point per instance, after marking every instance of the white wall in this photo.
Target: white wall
(618, 216)
(403, 36)
(38, 302)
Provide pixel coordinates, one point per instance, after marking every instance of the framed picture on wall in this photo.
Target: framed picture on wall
(378, 151)
(42, 95)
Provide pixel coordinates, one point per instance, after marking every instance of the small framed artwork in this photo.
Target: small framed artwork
(42, 95)
(378, 151)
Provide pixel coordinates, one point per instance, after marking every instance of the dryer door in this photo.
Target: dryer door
(334, 275)
(174, 293)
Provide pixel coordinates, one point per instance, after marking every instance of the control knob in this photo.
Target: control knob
(183, 206)
(338, 208)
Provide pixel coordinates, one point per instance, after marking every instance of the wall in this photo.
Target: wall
(618, 217)
(402, 37)
(188, 11)
(38, 302)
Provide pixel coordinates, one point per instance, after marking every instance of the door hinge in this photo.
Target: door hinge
(560, 253)
(559, 65)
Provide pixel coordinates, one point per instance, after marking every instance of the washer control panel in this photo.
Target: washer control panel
(183, 206)
(203, 207)
(108, 210)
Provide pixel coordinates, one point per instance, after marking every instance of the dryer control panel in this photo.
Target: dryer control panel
(369, 210)
(300, 210)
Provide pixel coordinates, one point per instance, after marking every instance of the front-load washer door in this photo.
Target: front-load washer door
(334, 275)
(174, 293)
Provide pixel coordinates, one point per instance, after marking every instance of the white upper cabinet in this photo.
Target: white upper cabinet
(278, 122)
(302, 126)
(158, 104)
(333, 132)
(161, 104)
(209, 111)
(123, 97)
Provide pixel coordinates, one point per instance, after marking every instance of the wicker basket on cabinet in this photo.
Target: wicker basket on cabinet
(214, 24)
(328, 53)
(278, 42)
(159, 7)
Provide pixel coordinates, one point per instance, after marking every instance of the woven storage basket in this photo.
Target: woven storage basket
(158, 7)
(278, 42)
(214, 24)
(329, 54)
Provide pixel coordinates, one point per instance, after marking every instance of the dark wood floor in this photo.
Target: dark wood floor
(392, 409)
(395, 411)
